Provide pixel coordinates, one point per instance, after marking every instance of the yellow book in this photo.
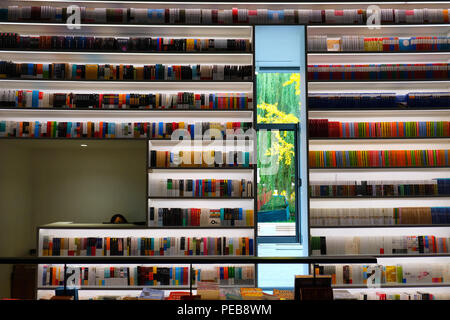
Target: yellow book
(91, 72)
(190, 44)
(391, 274)
(139, 73)
(120, 71)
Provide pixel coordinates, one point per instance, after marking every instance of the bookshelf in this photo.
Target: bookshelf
(333, 25)
(189, 115)
(351, 277)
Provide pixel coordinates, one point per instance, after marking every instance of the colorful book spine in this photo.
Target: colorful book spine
(379, 159)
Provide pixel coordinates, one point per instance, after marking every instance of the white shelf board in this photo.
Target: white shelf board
(212, 232)
(382, 174)
(381, 115)
(137, 59)
(393, 144)
(131, 30)
(128, 86)
(125, 115)
(274, 5)
(378, 202)
(375, 58)
(378, 232)
(378, 86)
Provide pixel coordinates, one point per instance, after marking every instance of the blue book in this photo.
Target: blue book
(37, 129)
(160, 129)
(30, 69)
(429, 70)
(35, 99)
(194, 72)
(250, 249)
(404, 44)
(3, 14)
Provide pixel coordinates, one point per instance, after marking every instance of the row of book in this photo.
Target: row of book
(353, 100)
(190, 100)
(53, 275)
(226, 275)
(385, 71)
(57, 129)
(383, 129)
(196, 159)
(200, 217)
(72, 71)
(419, 295)
(374, 188)
(402, 273)
(379, 245)
(200, 130)
(202, 188)
(147, 246)
(122, 44)
(358, 43)
(379, 216)
(15, 98)
(379, 158)
(221, 16)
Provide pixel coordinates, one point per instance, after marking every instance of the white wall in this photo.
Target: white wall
(91, 184)
(44, 181)
(17, 235)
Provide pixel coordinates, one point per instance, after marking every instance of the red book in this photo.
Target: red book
(185, 276)
(234, 13)
(205, 248)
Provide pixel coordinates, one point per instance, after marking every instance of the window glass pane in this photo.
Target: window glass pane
(278, 97)
(276, 183)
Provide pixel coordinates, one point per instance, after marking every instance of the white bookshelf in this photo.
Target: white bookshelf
(336, 175)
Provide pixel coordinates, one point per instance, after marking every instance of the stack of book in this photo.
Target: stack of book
(15, 98)
(71, 71)
(367, 188)
(203, 188)
(9, 40)
(351, 100)
(379, 245)
(197, 159)
(379, 158)
(414, 71)
(379, 216)
(400, 129)
(146, 246)
(199, 217)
